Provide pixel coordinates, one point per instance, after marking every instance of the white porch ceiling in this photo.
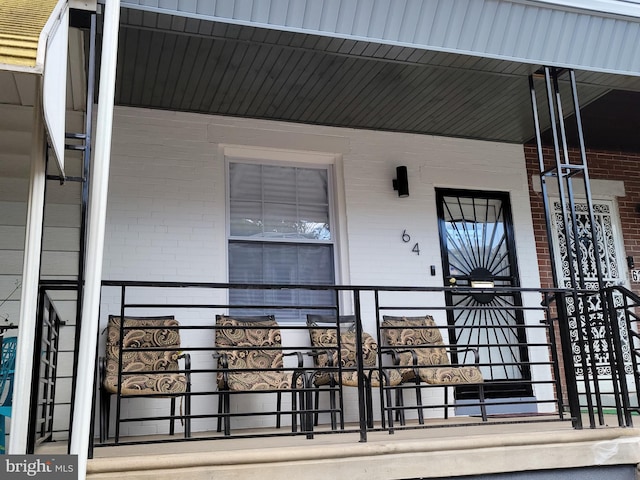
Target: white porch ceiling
(183, 63)
(593, 35)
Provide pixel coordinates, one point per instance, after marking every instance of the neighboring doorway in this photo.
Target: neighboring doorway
(610, 254)
(478, 249)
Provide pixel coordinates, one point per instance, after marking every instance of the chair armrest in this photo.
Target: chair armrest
(223, 364)
(395, 358)
(222, 359)
(102, 369)
(329, 354)
(384, 371)
(316, 353)
(299, 355)
(329, 369)
(187, 368)
(414, 355)
(476, 354)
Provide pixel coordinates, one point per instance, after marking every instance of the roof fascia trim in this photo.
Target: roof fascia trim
(49, 28)
(607, 7)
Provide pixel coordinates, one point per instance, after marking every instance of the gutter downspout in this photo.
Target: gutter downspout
(30, 281)
(85, 386)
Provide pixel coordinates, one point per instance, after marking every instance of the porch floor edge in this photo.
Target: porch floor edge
(383, 457)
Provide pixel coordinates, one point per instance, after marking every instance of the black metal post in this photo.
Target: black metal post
(569, 367)
(339, 356)
(585, 176)
(594, 237)
(362, 410)
(563, 171)
(119, 386)
(549, 321)
(543, 182)
(388, 408)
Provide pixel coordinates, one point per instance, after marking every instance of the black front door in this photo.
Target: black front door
(478, 250)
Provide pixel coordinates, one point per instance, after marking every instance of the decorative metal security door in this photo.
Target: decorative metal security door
(478, 250)
(612, 274)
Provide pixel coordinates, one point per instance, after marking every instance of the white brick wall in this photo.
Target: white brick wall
(167, 184)
(167, 220)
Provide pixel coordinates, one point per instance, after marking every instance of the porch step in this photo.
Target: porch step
(427, 453)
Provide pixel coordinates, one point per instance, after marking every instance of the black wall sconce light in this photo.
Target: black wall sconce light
(401, 182)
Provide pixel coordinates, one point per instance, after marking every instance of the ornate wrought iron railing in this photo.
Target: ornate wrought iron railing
(624, 332)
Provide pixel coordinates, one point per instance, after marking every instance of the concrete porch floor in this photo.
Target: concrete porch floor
(407, 454)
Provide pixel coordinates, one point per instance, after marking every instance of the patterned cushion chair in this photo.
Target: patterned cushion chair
(149, 355)
(417, 345)
(250, 359)
(323, 331)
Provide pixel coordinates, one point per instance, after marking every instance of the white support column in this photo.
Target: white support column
(30, 280)
(84, 392)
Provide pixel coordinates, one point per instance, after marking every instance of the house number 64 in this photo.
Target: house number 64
(406, 238)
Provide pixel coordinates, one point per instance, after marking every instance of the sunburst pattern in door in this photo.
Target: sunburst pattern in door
(478, 253)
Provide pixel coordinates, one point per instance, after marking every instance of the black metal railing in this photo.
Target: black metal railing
(599, 336)
(624, 334)
(540, 385)
(47, 379)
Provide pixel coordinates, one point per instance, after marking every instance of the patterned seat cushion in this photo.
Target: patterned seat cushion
(240, 346)
(408, 333)
(350, 378)
(135, 363)
(326, 338)
(451, 375)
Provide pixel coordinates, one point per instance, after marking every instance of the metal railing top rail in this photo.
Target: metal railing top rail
(624, 290)
(131, 291)
(338, 287)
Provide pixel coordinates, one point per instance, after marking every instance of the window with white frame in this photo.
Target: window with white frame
(280, 232)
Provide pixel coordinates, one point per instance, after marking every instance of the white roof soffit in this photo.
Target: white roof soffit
(592, 35)
(48, 58)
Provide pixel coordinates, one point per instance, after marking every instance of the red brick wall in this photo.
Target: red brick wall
(602, 165)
